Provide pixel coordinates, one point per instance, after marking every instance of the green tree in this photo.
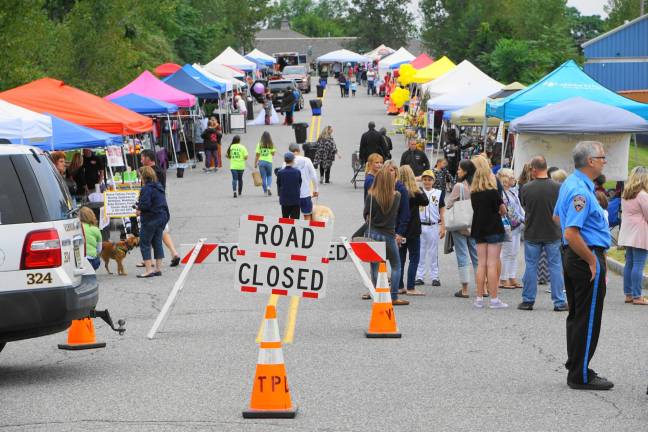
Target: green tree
(620, 11)
(376, 22)
(583, 27)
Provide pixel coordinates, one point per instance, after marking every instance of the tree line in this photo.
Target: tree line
(100, 45)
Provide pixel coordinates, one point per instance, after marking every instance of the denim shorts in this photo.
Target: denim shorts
(306, 205)
(491, 239)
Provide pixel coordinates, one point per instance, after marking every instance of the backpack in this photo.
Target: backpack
(614, 212)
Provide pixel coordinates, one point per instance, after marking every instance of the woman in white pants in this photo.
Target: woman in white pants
(432, 229)
(515, 213)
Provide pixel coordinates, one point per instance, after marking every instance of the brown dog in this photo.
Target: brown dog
(118, 252)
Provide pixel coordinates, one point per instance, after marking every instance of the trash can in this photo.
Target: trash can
(250, 108)
(300, 132)
(320, 90)
(310, 148)
(316, 106)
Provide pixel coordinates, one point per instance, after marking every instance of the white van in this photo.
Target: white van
(45, 280)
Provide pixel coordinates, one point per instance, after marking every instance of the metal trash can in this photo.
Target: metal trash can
(250, 108)
(320, 91)
(316, 106)
(309, 149)
(300, 132)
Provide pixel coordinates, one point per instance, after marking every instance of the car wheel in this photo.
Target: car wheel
(2, 345)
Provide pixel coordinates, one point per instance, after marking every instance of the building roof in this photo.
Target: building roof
(279, 33)
(614, 30)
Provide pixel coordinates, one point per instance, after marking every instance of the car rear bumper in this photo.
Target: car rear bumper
(32, 313)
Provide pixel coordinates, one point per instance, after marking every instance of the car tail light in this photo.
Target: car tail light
(42, 249)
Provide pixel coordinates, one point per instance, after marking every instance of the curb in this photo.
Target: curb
(617, 267)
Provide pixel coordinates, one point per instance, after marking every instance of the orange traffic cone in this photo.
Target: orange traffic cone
(383, 320)
(81, 336)
(270, 393)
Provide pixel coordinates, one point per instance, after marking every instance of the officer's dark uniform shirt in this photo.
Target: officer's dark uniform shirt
(578, 207)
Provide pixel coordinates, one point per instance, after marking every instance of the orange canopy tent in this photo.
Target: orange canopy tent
(54, 97)
(166, 69)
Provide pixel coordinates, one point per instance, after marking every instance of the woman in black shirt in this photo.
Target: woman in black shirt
(487, 230)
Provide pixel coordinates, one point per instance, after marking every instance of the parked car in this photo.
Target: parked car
(45, 280)
(278, 88)
(300, 75)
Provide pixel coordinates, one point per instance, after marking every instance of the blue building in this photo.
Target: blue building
(618, 59)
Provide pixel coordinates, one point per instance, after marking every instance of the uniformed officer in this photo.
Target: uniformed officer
(586, 234)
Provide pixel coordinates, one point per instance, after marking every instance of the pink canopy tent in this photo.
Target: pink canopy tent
(421, 61)
(149, 86)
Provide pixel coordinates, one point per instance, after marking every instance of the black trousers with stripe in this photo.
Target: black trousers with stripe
(585, 298)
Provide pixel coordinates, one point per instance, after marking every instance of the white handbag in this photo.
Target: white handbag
(459, 217)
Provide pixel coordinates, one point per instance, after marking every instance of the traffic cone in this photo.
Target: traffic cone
(270, 393)
(383, 320)
(81, 336)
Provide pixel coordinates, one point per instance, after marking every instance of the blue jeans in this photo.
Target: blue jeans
(413, 246)
(466, 251)
(532, 251)
(237, 179)
(265, 169)
(635, 260)
(151, 235)
(95, 262)
(393, 258)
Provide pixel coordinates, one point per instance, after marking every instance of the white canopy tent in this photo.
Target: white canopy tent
(225, 81)
(343, 56)
(464, 77)
(22, 126)
(464, 97)
(261, 57)
(229, 57)
(397, 58)
(555, 129)
(221, 71)
(380, 52)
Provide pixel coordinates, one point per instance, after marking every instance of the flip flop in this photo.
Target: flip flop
(461, 295)
(508, 287)
(366, 297)
(157, 273)
(144, 276)
(140, 265)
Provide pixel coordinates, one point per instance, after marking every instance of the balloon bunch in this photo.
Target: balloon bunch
(406, 74)
(399, 96)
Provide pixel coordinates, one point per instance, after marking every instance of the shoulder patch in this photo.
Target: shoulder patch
(579, 202)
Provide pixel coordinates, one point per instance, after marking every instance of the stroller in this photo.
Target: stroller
(358, 169)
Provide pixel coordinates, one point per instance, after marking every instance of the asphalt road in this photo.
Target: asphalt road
(455, 368)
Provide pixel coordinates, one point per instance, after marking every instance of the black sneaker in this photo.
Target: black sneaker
(419, 282)
(525, 306)
(235, 195)
(436, 282)
(561, 308)
(596, 383)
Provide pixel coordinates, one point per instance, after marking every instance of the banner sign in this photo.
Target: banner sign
(114, 156)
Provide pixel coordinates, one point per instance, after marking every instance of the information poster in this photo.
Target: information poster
(120, 204)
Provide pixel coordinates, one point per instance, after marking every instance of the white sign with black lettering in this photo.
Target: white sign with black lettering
(281, 274)
(119, 204)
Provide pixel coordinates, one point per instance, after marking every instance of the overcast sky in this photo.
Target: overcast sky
(589, 7)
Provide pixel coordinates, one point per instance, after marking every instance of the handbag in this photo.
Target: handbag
(459, 217)
(514, 217)
(363, 233)
(256, 178)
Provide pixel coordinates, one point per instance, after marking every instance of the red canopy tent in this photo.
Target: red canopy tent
(167, 69)
(54, 97)
(421, 61)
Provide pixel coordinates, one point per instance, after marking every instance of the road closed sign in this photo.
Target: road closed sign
(282, 256)
(281, 274)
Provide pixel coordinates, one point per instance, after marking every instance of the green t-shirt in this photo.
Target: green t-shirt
(92, 238)
(265, 154)
(238, 153)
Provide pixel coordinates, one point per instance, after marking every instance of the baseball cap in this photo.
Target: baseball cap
(288, 156)
(428, 173)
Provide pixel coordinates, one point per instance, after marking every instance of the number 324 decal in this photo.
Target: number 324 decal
(39, 278)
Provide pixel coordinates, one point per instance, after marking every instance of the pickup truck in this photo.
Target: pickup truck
(299, 74)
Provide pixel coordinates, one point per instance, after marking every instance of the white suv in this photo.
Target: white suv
(45, 280)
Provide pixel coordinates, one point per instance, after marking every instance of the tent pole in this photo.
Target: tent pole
(636, 149)
(175, 157)
(504, 146)
(185, 139)
(432, 139)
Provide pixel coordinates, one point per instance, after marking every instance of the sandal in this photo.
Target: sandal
(643, 301)
(415, 292)
(366, 296)
(140, 265)
(145, 275)
(461, 294)
(628, 299)
(507, 287)
(402, 291)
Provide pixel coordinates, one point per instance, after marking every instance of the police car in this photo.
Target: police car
(45, 280)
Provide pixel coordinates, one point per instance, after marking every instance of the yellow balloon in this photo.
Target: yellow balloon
(406, 74)
(399, 96)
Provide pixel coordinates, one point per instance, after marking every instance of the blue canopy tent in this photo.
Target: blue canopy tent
(69, 136)
(566, 82)
(261, 65)
(192, 83)
(145, 105)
